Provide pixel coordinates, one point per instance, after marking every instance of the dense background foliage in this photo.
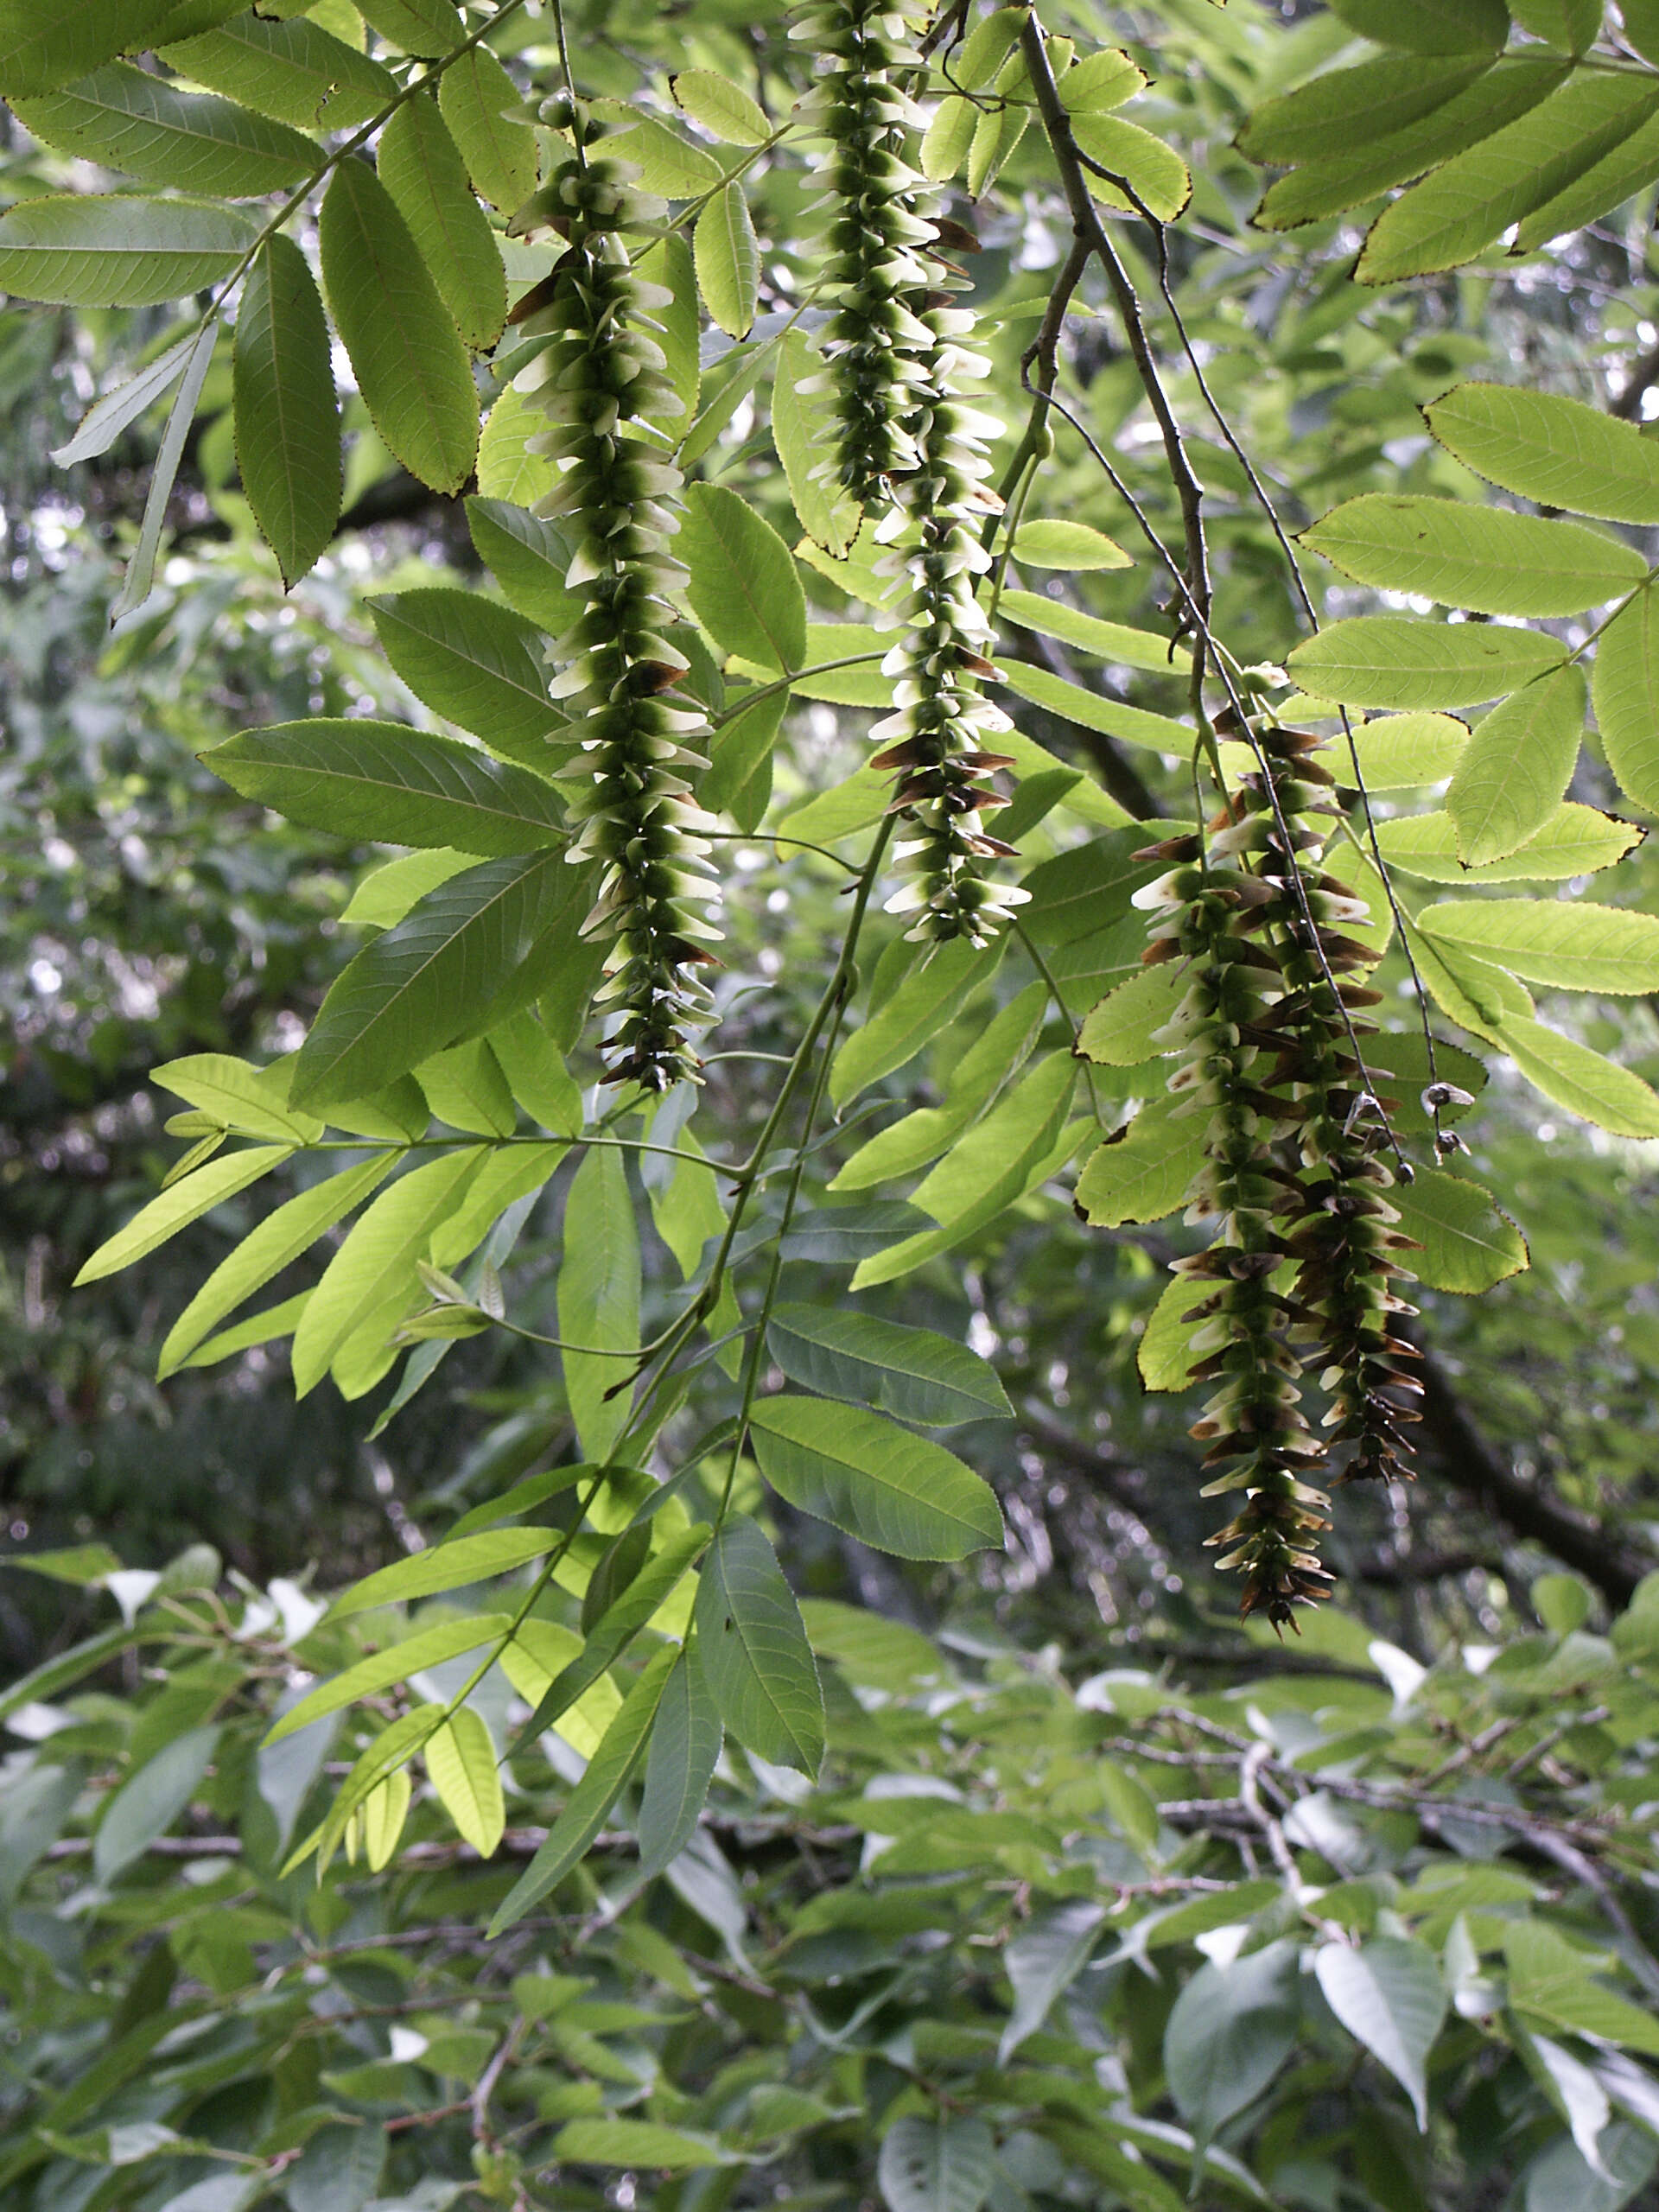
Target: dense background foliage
(1096, 1895)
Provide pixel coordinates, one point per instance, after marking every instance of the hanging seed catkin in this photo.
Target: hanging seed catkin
(599, 379)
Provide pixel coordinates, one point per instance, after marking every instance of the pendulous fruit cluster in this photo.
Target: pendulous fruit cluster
(1303, 1254)
(599, 379)
(878, 231)
(910, 447)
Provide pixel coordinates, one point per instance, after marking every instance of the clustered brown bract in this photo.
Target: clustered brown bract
(1303, 1254)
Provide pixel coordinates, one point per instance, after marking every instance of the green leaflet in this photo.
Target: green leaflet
(685, 1743)
(599, 1296)
(465, 1089)
(668, 163)
(1608, 182)
(1401, 752)
(148, 1802)
(461, 1761)
(1468, 1241)
(123, 403)
(1110, 641)
(616, 1628)
(1497, 97)
(1388, 660)
(484, 111)
(727, 257)
(1556, 451)
(1511, 778)
(411, 364)
(1230, 2032)
(896, 1492)
(265, 1251)
(912, 1374)
(93, 250)
(754, 1651)
(938, 2165)
(1141, 1172)
(294, 71)
(1073, 546)
(1430, 25)
(743, 588)
(738, 781)
(593, 1795)
(42, 48)
(374, 1268)
(383, 1759)
(638, 2143)
(127, 119)
(1571, 944)
(262, 1328)
(679, 325)
(1475, 556)
(252, 1101)
(466, 956)
(450, 1565)
(1018, 1146)
(187, 1201)
(1477, 996)
(420, 167)
(1085, 890)
(529, 559)
(1586, 1083)
(1097, 711)
(948, 137)
(1119, 1033)
(1574, 841)
(1461, 209)
(1099, 81)
(993, 1058)
(395, 785)
(428, 1646)
(287, 417)
(426, 28)
(1155, 174)
(1317, 119)
(1164, 1358)
(800, 422)
(723, 109)
(1625, 688)
(686, 1210)
(385, 894)
(1390, 1997)
(507, 467)
(931, 994)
